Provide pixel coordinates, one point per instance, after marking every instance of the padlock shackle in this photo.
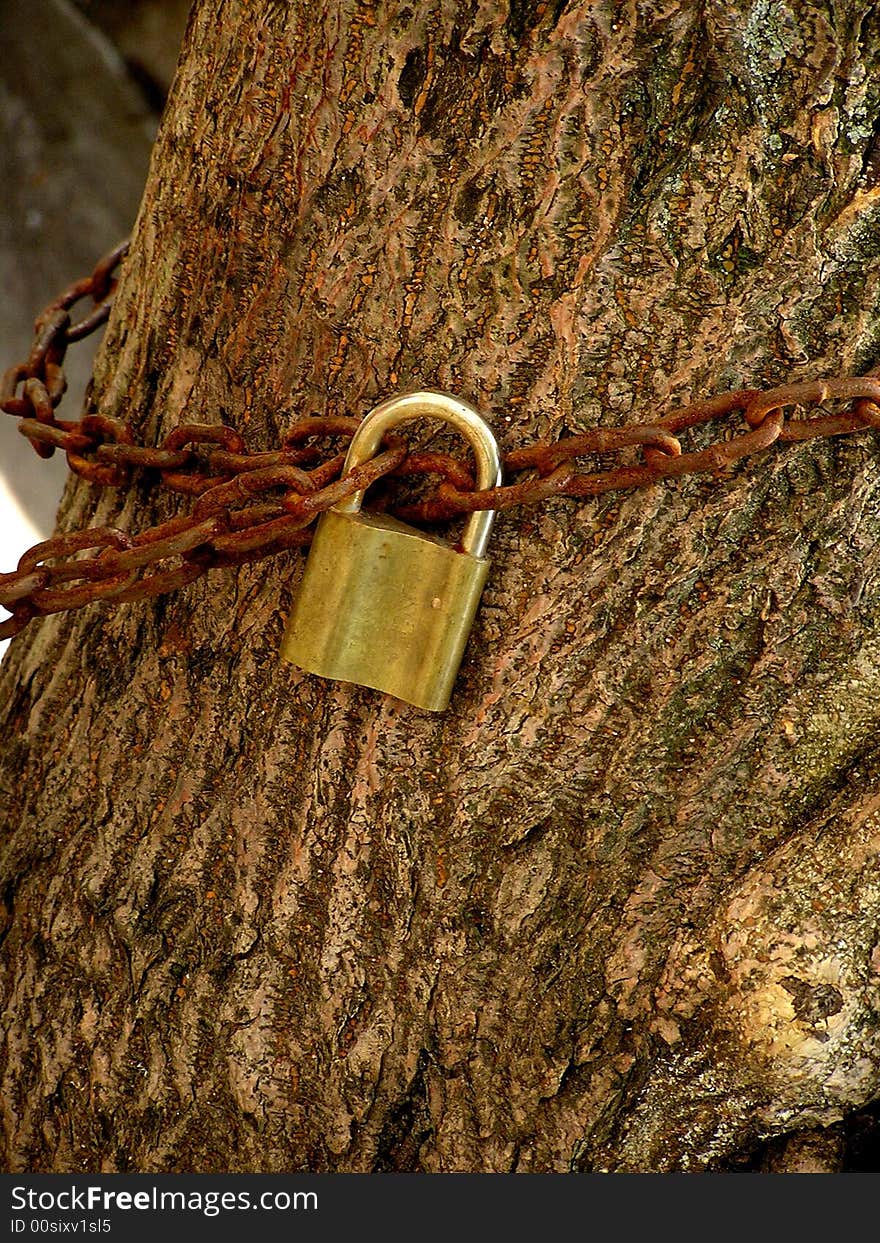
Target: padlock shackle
(464, 418)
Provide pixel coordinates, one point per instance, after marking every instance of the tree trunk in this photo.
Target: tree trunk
(617, 909)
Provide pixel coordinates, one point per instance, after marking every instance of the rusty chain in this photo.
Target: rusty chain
(250, 505)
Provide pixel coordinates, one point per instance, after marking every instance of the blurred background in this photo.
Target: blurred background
(82, 85)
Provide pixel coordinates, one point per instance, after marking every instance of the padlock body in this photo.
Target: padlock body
(386, 606)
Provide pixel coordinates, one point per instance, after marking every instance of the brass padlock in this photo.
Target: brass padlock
(382, 604)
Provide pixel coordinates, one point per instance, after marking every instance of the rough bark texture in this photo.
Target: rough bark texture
(618, 908)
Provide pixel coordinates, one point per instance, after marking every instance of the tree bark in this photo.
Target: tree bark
(617, 909)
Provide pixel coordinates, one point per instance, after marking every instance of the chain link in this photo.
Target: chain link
(254, 504)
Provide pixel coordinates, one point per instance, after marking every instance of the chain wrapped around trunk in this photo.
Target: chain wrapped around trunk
(253, 504)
